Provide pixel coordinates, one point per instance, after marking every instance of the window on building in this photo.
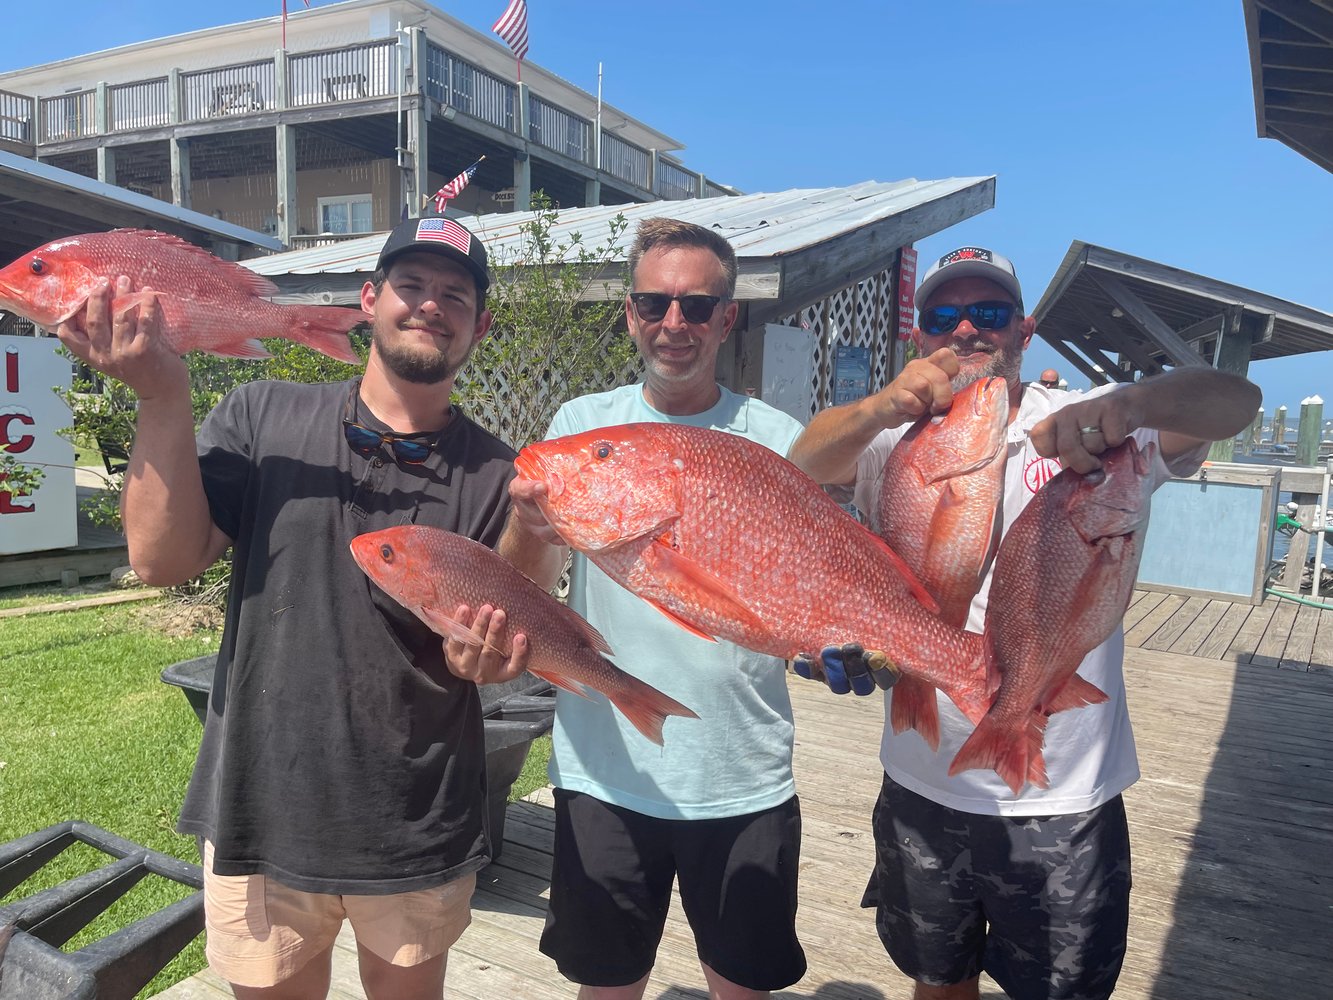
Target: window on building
(346, 214)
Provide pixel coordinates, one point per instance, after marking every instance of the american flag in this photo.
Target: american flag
(513, 27)
(455, 187)
(445, 231)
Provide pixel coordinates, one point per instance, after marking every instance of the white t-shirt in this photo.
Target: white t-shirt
(736, 757)
(1089, 751)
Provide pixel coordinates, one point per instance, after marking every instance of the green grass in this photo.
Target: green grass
(51, 593)
(88, 731)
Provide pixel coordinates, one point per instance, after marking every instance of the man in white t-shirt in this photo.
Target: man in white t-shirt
(1033, 888)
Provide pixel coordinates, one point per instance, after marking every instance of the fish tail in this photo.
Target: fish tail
(324, 328)
(914, 706)
(1014, 754)
(646, 707)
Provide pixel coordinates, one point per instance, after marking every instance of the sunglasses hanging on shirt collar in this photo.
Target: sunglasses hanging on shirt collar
(409, 449)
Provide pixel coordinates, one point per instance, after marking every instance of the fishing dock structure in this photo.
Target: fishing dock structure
(1229, 822)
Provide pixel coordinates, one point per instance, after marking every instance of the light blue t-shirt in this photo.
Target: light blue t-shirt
(736, 757)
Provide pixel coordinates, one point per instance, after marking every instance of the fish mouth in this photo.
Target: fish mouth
(532, 466)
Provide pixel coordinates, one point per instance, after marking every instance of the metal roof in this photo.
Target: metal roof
(1099, 311)
(793, 247)
(1291, 61)
(40, 203)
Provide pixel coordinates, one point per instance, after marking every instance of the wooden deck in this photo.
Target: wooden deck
(1232, 825)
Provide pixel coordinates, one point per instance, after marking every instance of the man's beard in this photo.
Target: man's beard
(1006, 362)
(417, 367)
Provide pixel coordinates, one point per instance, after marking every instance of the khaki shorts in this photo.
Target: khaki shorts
(260, 932)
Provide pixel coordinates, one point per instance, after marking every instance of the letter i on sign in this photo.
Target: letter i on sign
(11, 369)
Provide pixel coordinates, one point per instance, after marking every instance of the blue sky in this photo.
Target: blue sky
(1129, 125)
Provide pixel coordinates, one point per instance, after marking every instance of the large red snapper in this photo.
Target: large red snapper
(732, 541)
(431, 572)
(208, 304)
(938, 508)
(1063, 578)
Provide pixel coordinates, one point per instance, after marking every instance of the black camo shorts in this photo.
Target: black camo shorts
(1039, 903)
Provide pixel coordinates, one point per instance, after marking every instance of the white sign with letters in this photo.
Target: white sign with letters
(30, 415)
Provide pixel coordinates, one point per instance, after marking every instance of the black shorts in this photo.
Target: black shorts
(1040, 903)
(611, 889)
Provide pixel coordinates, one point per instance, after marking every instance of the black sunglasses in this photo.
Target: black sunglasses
(410, 449)
(982, 315)
(652, 306)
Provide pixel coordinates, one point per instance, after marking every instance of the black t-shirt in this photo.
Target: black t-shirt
(339, 754)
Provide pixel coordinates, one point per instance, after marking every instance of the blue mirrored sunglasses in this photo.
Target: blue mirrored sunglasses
(940, 320)
(409, 449)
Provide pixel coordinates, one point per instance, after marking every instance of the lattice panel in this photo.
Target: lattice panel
(861, 315)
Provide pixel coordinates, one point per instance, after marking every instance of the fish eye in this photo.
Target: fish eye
(386, 552)
(38, 265)
(602, 449)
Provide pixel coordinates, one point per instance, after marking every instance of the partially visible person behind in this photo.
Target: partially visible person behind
(1050, 378)
(342, 769)
(1033, 889)
(715, 809)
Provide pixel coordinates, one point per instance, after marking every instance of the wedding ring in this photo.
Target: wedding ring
(1089, 430)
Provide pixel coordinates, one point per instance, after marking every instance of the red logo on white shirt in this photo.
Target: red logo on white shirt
(1039, 472)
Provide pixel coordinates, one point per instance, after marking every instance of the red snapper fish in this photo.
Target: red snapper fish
(208, 304)
(1064, 576)
(938, 506)
(732, 541)
(431, 572)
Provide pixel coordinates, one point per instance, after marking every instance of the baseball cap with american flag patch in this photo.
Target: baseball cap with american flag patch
(438, 235)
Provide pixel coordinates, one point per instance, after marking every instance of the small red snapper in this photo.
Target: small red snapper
(1064, 576)
(732, 541)
(938, 509)
(431, 572)
(208, 304)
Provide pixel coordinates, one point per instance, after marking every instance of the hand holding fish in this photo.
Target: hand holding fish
(922, 387)
(486, 663)
(128, 344)
(847, 668)
(525, 495)
(1079, 433)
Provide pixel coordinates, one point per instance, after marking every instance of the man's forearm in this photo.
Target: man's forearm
(1200, 403)
(538, 560)
(164, 509)
(828, 449)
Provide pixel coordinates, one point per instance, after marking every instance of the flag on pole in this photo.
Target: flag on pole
(455, 187)
(284, 20)
(513, 27)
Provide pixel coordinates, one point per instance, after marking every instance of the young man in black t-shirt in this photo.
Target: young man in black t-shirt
(342, 770)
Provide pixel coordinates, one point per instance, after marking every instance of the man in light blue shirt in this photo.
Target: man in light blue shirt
(715, 808)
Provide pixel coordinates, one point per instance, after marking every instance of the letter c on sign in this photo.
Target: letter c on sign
(22, 444)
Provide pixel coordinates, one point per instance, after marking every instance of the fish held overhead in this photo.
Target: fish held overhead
(208, 304)
(732, 541)
(431, 572)
(1064, 576)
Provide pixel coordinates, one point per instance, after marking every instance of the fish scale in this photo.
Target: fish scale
(735, 542)
(207, 303)
(431, 571)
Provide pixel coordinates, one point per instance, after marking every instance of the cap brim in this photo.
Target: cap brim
(452, 253)
(969, 269)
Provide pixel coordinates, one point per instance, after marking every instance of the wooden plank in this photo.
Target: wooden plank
(1143, 603)
(1153, 620)
(1321, 655)
(1198, 630)
(1219, 640)
(1268, 652)
(1300, 643)
(1252, 632)
(1175, 626)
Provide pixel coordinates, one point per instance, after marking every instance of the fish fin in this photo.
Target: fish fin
(1014, 755)
(589, 634)
(666, 562)
(646, 708)
(251, 349)
(324, 328)
(922, 595)
(682, 622)
(452, 628)
(239, 275)
(914, 706)
(562, 681)
(1074, 693)
(974, 694)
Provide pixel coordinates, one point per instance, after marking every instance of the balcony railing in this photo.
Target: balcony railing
(364, 71)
